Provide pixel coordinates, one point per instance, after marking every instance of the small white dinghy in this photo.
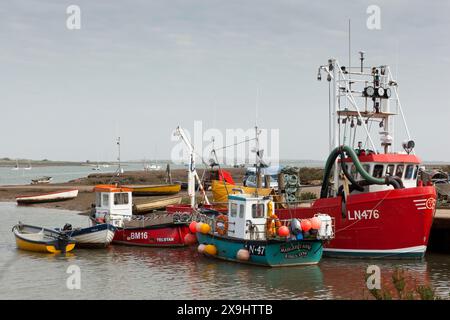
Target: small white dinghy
(97, 236)
(48, 197)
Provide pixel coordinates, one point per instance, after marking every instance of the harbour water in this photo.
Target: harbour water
(121, 272)
(58, 173)
(67, 173)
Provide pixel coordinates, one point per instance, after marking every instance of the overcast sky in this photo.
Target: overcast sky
(140, 68)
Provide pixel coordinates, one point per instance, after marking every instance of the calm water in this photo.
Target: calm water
(121, 272)
(58, 173)
(66, 173)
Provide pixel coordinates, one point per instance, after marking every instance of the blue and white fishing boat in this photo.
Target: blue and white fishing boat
(97, 236)
(251, 233)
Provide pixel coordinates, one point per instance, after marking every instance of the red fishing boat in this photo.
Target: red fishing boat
(380, 207)
(114, 206)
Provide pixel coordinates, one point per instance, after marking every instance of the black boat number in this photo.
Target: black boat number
(256, 250)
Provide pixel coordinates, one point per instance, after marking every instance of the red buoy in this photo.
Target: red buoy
(192, 226)
(306, 225)
(315, 223)
(190, 239)
(283, 231)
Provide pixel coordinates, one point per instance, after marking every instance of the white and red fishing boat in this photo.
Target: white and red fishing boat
(48, 197)
(380, 208)
(161, 229)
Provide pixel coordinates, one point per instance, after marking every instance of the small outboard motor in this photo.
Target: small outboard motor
(67, 227)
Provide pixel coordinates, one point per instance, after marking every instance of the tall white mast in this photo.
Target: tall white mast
(192, 172)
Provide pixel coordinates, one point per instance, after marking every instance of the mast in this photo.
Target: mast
(118, 157)
(361, 98)
(192, 172)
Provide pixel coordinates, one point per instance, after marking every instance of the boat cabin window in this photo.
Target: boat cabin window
(98, 200)
(416, 171)
(409, 171)
(367, 168)
(120, 198)
(399, 171)
(241, 211)
(105, 199)
(233, 209)
(352, 170)
(258, 210)
(378, 170)
(390, 169)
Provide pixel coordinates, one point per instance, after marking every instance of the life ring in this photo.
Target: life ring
(222, 225)
(272, 225)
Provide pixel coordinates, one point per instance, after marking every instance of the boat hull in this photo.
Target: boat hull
(155, 204)
(271, 253)
(39, 241)
(98, 236)
(220, 190)
(385, 224)
(171, 235)
(156, 190)
(48, 197)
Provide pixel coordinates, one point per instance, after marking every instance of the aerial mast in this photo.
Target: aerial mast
(192, 172)
(118, 157)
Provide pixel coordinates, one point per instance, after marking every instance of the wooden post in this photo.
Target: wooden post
(267, 181)
(169, 174)
(258, 178)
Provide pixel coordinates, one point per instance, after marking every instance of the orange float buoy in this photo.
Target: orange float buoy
(201, 248)
(315, 223)
(243, 255)
(193, 226)
(210, 249)
(306, 224)
(205, 228)
(283, 231)
(190, 239)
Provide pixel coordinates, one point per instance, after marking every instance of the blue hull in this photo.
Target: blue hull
(272, 253)
(96, 228)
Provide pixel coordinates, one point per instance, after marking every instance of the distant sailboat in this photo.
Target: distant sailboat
(97, 168)
(29, 166)
(16, 167)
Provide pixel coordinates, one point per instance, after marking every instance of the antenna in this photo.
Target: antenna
(118, 158)
(256, 106)
(349, 46)
(361, 57)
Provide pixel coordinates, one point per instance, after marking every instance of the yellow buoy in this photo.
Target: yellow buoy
(205, 228)
(210, 249)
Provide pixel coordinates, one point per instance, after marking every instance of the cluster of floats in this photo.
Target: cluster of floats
(372, 202)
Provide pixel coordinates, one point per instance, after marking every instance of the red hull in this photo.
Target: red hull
(387, 224)
(167, 236)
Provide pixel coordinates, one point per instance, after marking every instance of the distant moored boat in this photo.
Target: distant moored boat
(41, 180)
(154, 190)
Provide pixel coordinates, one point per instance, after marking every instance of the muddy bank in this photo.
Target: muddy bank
(148, 177)
(86, 196)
